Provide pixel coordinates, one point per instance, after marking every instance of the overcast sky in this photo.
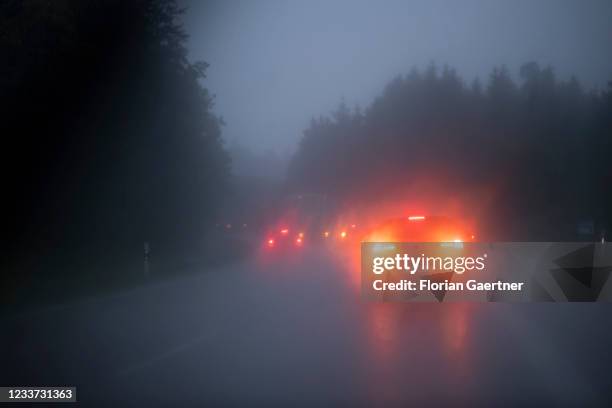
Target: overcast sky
(276, 64)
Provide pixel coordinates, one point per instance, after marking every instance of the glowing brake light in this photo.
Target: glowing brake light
(298, 241)
(270, 242)
(416, 218)
(284, 231)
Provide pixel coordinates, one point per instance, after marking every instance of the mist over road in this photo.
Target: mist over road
(277, 331)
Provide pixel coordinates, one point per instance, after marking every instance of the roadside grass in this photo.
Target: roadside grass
(33, 284)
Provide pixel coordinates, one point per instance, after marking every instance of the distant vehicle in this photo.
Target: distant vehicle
(300, 236)
(308, 219)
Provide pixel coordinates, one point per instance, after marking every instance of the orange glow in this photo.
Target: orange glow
(416, 218)
(284, 231)
(343, 234)
(326, 234)
(301, 235)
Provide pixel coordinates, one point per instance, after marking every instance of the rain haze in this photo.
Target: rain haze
(306, 203)
(275, 64)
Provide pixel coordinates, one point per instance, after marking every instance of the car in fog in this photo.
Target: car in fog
(310, 235)
(420, 228)
(306, 220)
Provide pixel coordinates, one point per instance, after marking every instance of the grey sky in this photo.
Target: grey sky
(275, 64)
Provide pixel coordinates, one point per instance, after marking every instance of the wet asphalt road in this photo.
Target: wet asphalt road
(294, 331)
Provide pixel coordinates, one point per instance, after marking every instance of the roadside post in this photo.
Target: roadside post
(147, 250)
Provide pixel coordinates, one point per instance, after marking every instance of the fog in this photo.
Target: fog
(188, 193)
(274, 64)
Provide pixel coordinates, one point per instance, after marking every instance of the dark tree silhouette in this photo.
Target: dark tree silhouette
(110, 135)
(542, 145)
